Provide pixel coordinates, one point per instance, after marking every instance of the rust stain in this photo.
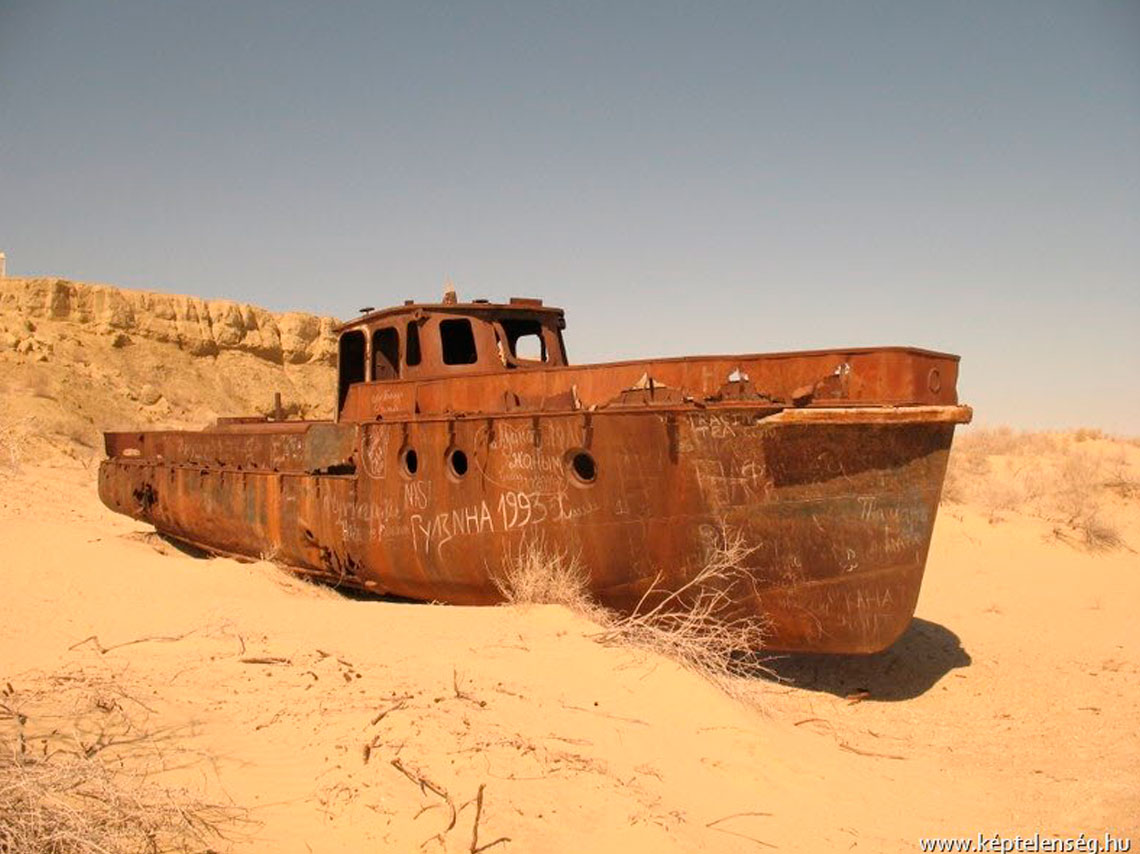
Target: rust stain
(462, 430)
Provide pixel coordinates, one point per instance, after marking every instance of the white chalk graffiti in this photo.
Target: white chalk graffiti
(417, 494)
(513, 511)
(506, 436)
(374, 452)
(438, 530)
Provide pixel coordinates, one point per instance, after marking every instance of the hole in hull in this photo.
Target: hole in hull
(411, 462)
(457, 461)
(582, 466)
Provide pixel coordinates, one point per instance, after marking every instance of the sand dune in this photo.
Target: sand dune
(331, 723)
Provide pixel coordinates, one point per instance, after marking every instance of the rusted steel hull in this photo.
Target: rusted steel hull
(836, 506)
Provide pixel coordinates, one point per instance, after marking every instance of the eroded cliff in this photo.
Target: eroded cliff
(201, 327)
(77, 359)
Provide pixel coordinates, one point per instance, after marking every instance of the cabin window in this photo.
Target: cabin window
(524, 337)
(458, 340)
(385, 353)
(412, 353)
(351, 363)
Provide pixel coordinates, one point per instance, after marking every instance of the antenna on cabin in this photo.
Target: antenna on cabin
(367, 309)
(449, 297)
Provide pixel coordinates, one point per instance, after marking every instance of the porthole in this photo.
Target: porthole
(410, 461)
(934, 381)
(457, 463)
(582, 466)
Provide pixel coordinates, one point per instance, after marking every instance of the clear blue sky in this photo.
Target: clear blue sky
(682, 177)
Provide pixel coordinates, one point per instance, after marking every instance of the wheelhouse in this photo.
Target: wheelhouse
(428, 341)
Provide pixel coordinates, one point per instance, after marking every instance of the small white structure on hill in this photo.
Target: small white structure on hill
(3, 261)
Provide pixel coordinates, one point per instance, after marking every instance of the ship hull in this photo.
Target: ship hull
(831, 510)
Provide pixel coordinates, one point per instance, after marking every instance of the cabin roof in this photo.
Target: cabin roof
(523, 307)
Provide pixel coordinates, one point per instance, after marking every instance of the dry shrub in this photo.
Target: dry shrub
(1079, 484)
(14, 435)
(704, 624)
(84, 435)
(1000, 497)
(1006, 442)
(74, 805)
(1119, 477)
(66, 786)
(39, 384)
(988, 441)
(698, 624)
(1099, 533)
(988, 469)
(540, 575)
(963, 471)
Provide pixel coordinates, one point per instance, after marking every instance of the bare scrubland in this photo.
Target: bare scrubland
(155, 700)
(1082, 482)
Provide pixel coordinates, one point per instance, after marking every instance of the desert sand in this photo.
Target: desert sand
(319, 722)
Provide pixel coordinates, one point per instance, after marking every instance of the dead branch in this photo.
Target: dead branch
(425, 785)
(490, 844)
(860, 752)
(811, 721)
(712, 825)
(478, 815)
(395, 707)
(717, 821)
(475, 846)
(463, 695)
(604, 714)
(103, 650)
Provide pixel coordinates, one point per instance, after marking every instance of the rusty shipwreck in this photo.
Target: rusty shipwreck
(461, 431)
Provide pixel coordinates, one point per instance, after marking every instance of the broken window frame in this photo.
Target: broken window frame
(412, 345)
(378, 351)
(343, 355)
(450, 346)
(513, 361)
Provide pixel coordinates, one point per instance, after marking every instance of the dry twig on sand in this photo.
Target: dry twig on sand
(103, 650)
(426, 785)
(714, 825)
(475, 846)
(460, 694)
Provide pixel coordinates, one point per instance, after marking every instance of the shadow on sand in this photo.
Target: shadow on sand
(191, 550)
(909, 668)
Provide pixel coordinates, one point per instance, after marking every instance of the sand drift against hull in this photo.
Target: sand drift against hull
(461, 433)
